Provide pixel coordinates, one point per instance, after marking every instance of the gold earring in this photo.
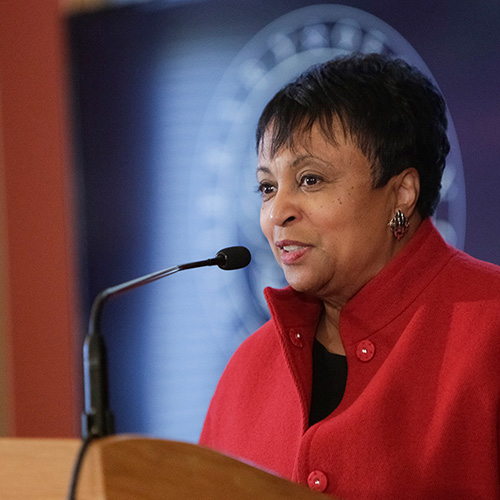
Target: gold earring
(399, 225)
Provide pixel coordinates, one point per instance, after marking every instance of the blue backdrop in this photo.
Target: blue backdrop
(166, 96)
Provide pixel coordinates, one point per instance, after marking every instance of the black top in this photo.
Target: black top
(328, 383)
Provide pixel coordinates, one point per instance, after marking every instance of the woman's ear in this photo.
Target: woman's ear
(407, 190)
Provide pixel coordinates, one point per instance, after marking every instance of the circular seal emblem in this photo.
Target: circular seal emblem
(225, 158)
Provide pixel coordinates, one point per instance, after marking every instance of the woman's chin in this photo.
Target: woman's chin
(303, 286)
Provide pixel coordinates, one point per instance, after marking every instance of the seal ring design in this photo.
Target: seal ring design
(225, 149)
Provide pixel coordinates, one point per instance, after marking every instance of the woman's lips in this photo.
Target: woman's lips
(292, 251)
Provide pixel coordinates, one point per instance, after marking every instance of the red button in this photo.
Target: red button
(365, 350)
(296, 338)
(317, 480)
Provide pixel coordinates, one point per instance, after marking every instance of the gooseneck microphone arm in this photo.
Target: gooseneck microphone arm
(98, 420)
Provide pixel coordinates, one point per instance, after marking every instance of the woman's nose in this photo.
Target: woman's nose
(284, 209)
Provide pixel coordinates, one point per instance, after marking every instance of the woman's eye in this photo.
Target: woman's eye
(265, 188)
(309, 180)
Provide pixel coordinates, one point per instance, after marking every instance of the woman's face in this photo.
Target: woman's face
(325, 224)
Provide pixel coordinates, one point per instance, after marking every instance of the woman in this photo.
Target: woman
(377, 375)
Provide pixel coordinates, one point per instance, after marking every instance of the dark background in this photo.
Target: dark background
(144, 76)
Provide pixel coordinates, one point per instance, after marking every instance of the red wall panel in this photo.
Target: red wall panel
(39, 240)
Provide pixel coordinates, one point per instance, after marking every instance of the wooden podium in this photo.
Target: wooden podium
(134, 467)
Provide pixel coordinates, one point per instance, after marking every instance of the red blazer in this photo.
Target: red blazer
(420, 414)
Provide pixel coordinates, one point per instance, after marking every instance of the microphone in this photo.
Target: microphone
(228, 259)
(98, 420)
(233, 258)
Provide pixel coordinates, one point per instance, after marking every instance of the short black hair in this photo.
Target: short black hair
(390, 110)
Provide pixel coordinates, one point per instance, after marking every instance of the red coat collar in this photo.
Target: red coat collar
(381, 300)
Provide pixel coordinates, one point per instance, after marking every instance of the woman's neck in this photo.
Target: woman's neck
(327, 332)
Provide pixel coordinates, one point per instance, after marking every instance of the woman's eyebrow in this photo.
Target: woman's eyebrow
(303, 158)
(264, 169)
(300, 159)
(295, 163)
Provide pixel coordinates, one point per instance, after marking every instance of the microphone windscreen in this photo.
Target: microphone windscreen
(234, 258)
